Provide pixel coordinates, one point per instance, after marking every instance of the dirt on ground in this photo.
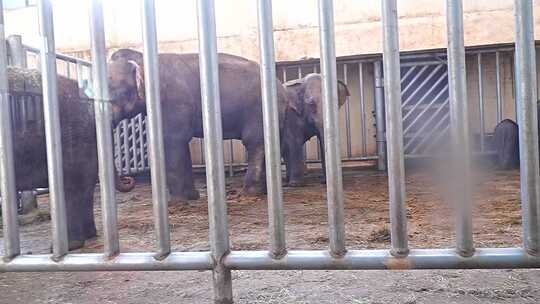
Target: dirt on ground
(497, 223)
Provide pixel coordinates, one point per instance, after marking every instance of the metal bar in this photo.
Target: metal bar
(201, 147)
(421, 100)
(363, 109)
(317, 140)
(424, 110)
(60, 56)
(421, 63)
(459, 127)
(125, 137)
(527, 120)
(8, 190)
(428, 121)
(97, 262)
(215, 175)
(428, 78)
(141, 140)
(408, 73)
(79, 71)
(379, 115)
(347, 116)
(498, 85)
(231, 158)
(485, 258)
(68, 66)
(103, 113)
(334, 179)
(271, 129)
(133, 147)
(428, 135)
(410, 84)
(154, 120)
(52, 130)
(394, 131)
(481, 100)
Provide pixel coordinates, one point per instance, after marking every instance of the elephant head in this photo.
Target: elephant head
(304, 120)
(305, 99)
(126, 84)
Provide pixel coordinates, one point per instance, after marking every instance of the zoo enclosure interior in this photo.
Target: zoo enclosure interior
(220, 260)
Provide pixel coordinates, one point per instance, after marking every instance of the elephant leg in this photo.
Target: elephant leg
(179, 170)
(255, 179)
(323, 159)
(79, 214)
(296, 163)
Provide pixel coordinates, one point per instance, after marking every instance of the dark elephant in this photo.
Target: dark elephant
(505, 138)
(180, 93)
(79, 152)
(304, 119)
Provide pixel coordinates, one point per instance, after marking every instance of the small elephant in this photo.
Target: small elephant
(180, 93)
(304, 119)
(79, 149)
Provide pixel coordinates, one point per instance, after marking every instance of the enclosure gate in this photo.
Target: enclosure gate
(220, 259)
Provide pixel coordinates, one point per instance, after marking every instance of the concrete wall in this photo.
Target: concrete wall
(358, 25)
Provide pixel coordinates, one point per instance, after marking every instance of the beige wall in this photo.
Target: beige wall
(358, 26)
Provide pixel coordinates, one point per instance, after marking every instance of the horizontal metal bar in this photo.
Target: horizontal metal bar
(483, 258)
(486, 258)
(63, 57)
(99, 262)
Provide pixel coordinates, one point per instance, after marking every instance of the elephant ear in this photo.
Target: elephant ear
(139, 78)
(343, 93)
(295, 91)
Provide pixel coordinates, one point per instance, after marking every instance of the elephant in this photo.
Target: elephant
(505, 138)
(304, 119)
(79, 149)
(180, 95)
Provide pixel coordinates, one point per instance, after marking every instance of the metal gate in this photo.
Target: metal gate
(220, 259)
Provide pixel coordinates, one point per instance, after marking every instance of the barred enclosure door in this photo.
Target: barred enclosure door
(425, 104)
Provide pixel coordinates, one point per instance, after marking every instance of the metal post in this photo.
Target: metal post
(8, 191)
(459, 122)
(231, 158)
(156, 149)
(271, 129)
(103, 113)
(527, 121)
(379, 116)
(363, 108)
(334, 182)
(481, 99)
(348, 115)
(16, 51)
(498, 85)
(52, 130)
(215, 175)
(394, 129)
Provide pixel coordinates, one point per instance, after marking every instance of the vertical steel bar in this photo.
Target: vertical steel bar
(103, 114)
(394, 129)
(133, 147)
(459, 129)
(481, 100)
(318, 143)
(8, 190)
(363, 108)
(68, 69)
(271, 129)
(155, 129)
(215, 176)
(527, 120)
(498, 85)
(16, 51)
(140, 123)
(52, 130)
(231, 158)
(379, 116)
(334, 179)
(300, 75)
(79, 71)
(347, 115)
(125, 137)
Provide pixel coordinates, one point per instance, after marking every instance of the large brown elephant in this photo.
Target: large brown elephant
(180, 93)
(79, 152)
(304, 119)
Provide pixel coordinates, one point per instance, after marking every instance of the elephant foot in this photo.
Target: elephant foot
(190, 195)
(125, 184)
(253, 191)
(90, 233)
(295, 184)
(75, 244)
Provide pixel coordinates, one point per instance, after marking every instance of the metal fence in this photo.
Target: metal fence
(220, 259)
